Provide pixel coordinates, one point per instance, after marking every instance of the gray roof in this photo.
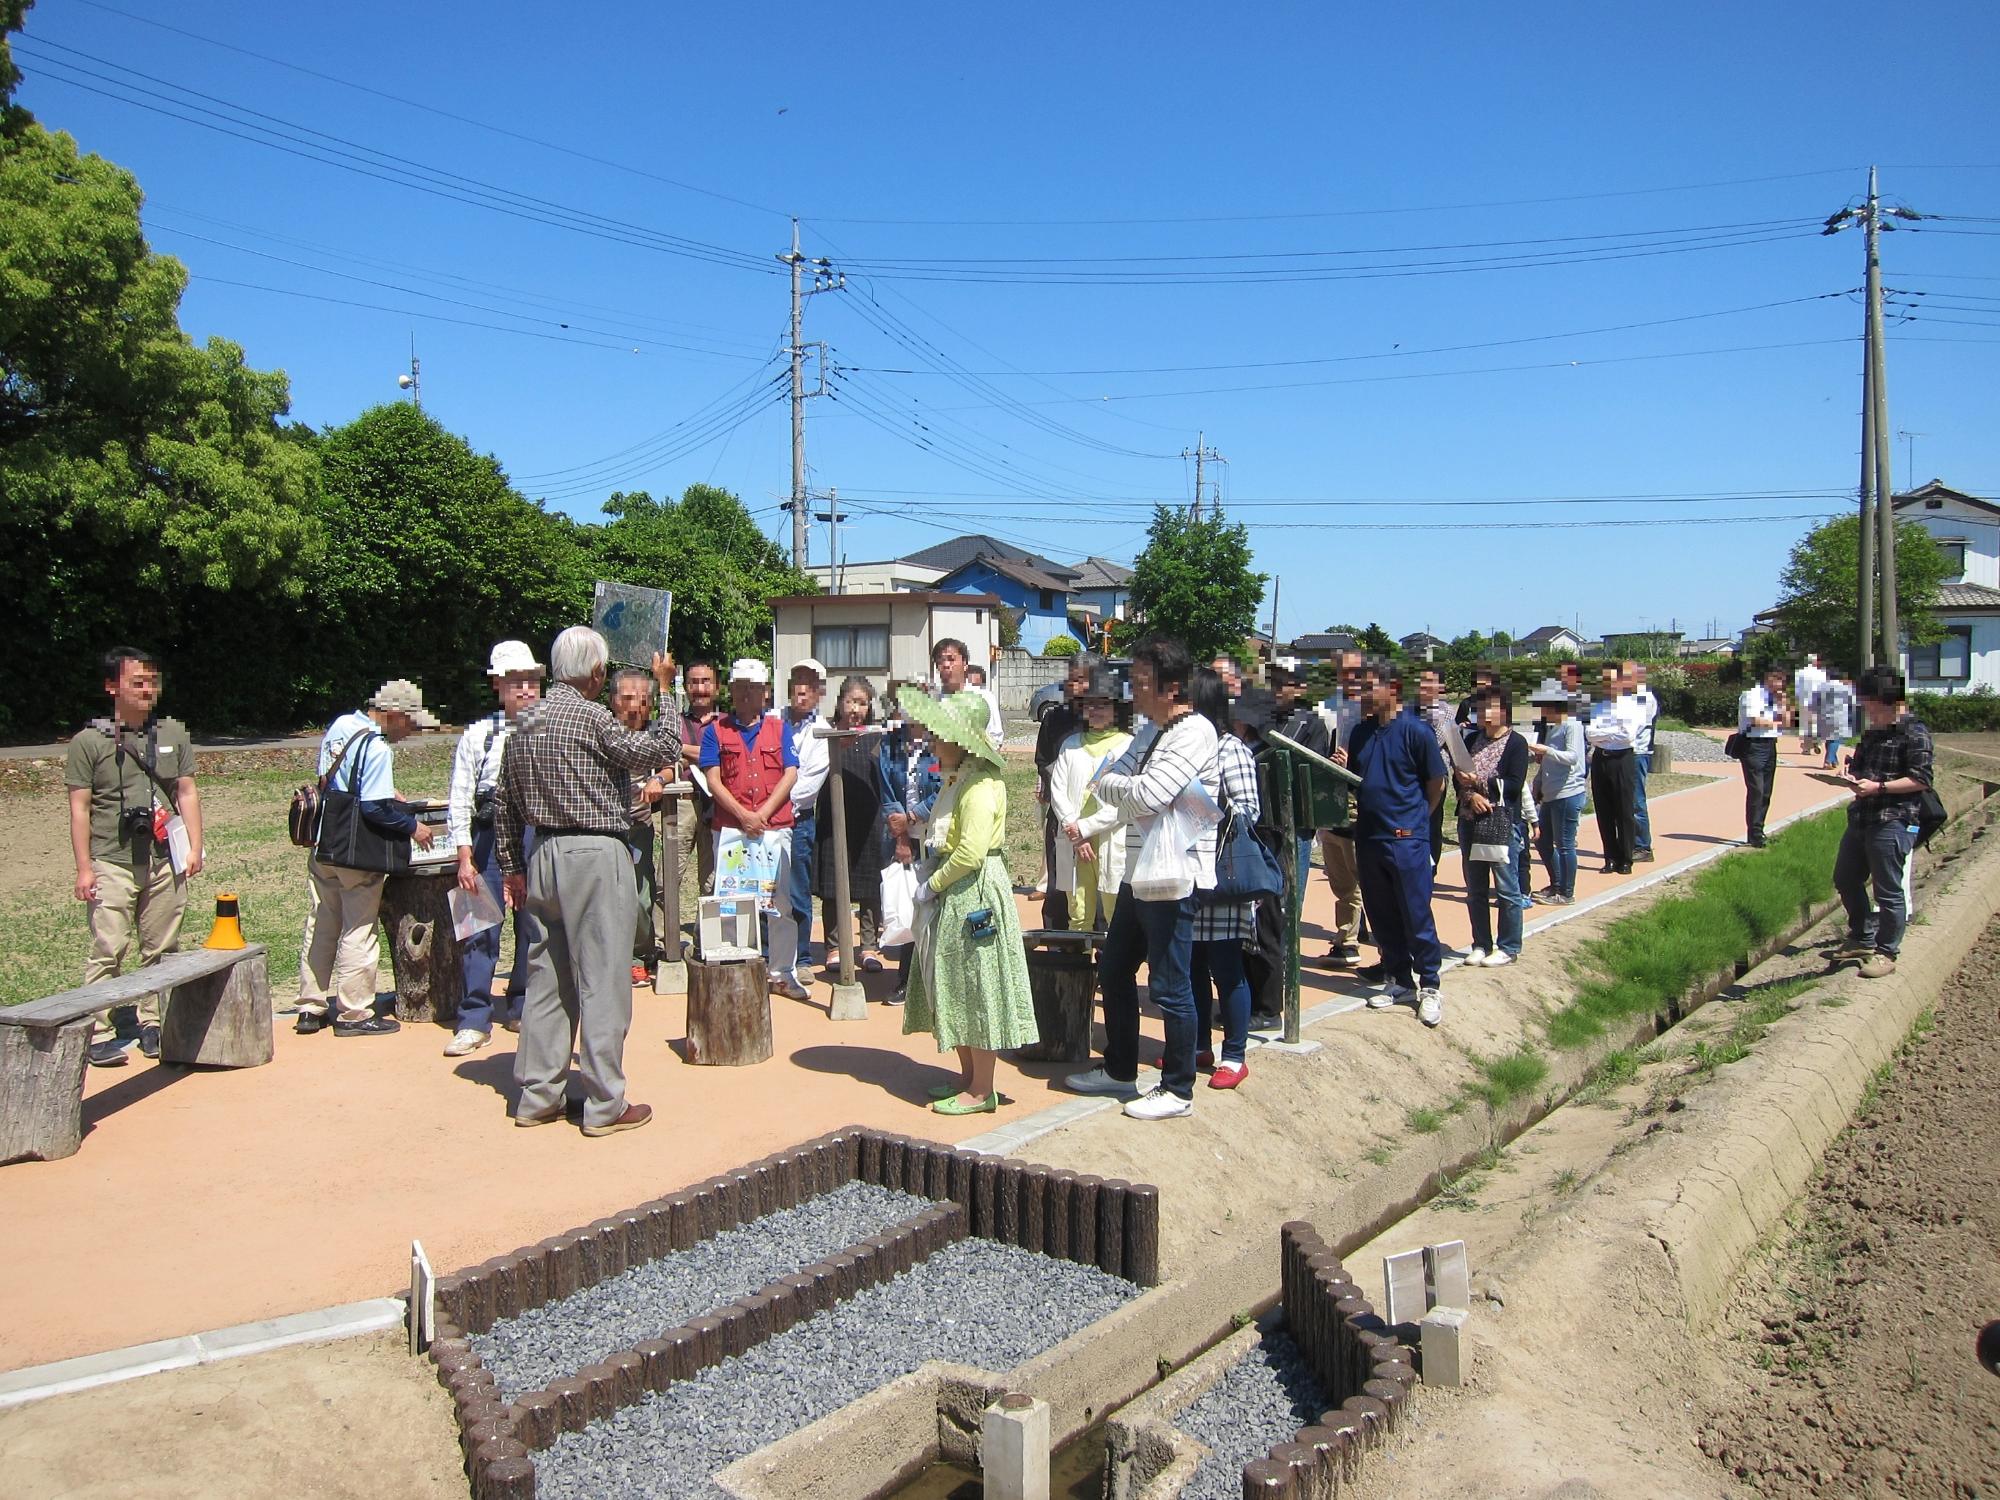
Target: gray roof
(1101, 573)
(1421, 638)
(958, 551)
(1337, 640)
(1546, 634)
(1937, 489)
(1006, 567)
(1967, 596)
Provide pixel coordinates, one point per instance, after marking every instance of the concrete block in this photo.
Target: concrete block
(1014, 1449)
(1445, 1352)
(850, 1003)
(1449, 1274)
(1403, 1297)
(670, 978)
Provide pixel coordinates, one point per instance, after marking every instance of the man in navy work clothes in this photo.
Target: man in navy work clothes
(1402, 779)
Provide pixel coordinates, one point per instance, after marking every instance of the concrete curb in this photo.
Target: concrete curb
(35, 1382)
(1764, 1133)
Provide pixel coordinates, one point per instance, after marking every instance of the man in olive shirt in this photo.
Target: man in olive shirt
(129, 774)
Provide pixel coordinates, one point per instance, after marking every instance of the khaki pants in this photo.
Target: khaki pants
(146, 902)
(342, 947)
(1345, 877)
(1087, 903)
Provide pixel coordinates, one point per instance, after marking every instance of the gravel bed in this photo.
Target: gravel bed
(1267, 1396)
(557, 1339)
(975, 1302)
(1687, 745)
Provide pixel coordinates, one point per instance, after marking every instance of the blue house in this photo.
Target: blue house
(1038, 599)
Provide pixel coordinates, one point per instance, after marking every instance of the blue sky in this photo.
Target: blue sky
(1076, 238)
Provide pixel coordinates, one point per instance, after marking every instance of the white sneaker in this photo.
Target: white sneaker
(467, 1041)
(1381, 1000)
(1499, 958)
(788, 985)
(1476, 958)
(1097, 1081)
(1161, 1104)
(1430, 1007)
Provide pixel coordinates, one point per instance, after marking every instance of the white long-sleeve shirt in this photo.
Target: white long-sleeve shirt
(814, 761)
(1069, 789)
(1757, 703)
(475, 768)
(1614, 724)
(1184, 751)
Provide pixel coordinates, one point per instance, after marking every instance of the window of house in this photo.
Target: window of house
(1048, 599)
(1949, 660)
(852, 648)
(1954, 559)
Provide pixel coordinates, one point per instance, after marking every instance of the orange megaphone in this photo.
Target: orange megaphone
(228, 929)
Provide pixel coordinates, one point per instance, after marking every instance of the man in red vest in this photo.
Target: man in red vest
(751, 769)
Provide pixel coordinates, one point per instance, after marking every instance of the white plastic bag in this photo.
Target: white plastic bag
(899, 905)
(1165, 869)
(472, 911)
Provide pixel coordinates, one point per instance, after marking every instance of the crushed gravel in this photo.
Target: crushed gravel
(556, 1340)
(975, 1302)
(1690, 746)
(1267, 1396)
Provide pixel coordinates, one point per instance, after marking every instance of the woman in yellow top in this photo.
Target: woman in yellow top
(969, 976)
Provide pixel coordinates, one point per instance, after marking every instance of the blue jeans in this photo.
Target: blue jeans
(1524, 877)
(800, 889)
(1159, 934)
(1396, 889)
(1480, 876)
(480, 954)
(1222, 962)
(1558, 841)
(1833, 753)
(1875, 854)
(1642, 825)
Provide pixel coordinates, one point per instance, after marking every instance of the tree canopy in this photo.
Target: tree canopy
(1194, 582)
(1819, 604)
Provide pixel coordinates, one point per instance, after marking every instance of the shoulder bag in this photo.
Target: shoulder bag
(306, 801)
(345, 839)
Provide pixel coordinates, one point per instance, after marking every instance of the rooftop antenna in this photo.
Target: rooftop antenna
(413, 381)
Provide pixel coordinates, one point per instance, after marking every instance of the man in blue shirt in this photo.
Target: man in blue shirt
(1402, 779)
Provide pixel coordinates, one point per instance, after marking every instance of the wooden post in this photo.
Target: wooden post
(423, 952)
(850, 1000)
(220, 1020)
(728, 1013)
(670, 975)
(41, 1090)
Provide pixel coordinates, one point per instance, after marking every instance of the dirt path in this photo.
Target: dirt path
(1851, 1364)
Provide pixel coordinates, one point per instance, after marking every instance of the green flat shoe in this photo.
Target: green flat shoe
(952, 1090)
(950, 1106)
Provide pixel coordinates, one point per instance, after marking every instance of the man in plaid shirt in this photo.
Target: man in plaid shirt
(1889, 773)
(568, 775)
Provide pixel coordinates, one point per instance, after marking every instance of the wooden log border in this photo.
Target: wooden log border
(1110, 1224)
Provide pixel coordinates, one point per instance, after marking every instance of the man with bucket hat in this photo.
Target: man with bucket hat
(475, 780)
(752, 766)
(339, 958)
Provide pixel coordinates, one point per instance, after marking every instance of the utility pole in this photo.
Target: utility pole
(824, 280)
(833, 516)
(1878, 502)
(414, 381)
(1275, 582)
(1201, 454)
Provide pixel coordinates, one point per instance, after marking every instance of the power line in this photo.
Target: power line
(1427, 526)
(405, 312)
(734, 392)
(864, 492)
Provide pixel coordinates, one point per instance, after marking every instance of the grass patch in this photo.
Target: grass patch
(1565, 1181)
(1423, 1121)
(1379, 1155)
(1644, 962)
(1505, 1079)
(1614, 1072)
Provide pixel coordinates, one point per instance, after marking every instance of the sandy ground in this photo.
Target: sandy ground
(1849, 1367)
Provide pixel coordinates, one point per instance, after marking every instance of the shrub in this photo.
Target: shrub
(1062, 645)
(1976, 712)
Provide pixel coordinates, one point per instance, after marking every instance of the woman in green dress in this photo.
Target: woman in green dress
(969, 977)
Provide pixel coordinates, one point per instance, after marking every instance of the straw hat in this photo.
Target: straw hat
(961, 718)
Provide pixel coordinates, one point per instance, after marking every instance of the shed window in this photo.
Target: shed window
(852, 648)
(1949, 660)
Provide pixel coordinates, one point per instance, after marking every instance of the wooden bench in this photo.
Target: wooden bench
(215, 1012)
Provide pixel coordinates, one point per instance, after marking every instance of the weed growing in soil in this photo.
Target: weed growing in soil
(1566, 1181)
(1461, 1192)
(1424, 1121)
(1644, 962)
(1615, 1071)
(1379, 1155)
(1504, 1079)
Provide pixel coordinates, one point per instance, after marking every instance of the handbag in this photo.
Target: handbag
(1733, 746)
(899, 905)
(1491, 836)
(305, 816)
(1245, 870)
(346, 841)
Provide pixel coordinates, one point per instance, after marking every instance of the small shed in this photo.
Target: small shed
(883, 637)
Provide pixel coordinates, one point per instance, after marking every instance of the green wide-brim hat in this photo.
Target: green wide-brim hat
(961, 718)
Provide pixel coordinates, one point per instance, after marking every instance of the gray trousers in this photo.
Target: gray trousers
(581, 895)
(1875, 855)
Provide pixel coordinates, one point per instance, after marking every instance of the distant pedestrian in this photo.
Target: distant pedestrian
(909, 780)
(1891, 771)
(975, 682)
(702, 685)
(1836, 708)
(1062, 720)
(1089, 861)
(1223, 929)
(791, 929)
(1806, 683)
(1298, 721)
(1612, 731)
(1490, 828)
(1266, 957)
(568, 775)
(1350, 706)
(851, 776)
(1434, 711)
(470, 819)
(1482, 677)
(751, 768)
(1761, 712)
(128, 774)
(1632, 682)
(952, 665)
(632, 705)
(1560, 788)
(1230, 670)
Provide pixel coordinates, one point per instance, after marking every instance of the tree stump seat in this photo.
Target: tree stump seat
(1062, 979)
(728, 1013)
(216, 1014)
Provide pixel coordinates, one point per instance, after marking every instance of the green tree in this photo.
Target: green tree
(147, 480)
(1194, 582)
(1819, 606)
(1472, 646)
(1375, 639)
(706, 549)
(1061, 645)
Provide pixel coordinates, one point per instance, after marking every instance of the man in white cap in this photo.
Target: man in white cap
(806, 688)
(752, 767)
(337, 963)
(475, 776)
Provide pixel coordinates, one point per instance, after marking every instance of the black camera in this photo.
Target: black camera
(136, 825)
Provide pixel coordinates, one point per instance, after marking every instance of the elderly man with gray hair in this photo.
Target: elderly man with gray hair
(568, 775)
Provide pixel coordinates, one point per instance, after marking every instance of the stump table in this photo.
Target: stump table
(1062, 978)
(423, 952)
(728, 1013)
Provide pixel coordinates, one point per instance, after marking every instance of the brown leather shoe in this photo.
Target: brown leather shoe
(635, 1115)
(554, 1116)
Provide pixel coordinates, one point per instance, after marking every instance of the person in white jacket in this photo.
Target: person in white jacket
(1090, 856)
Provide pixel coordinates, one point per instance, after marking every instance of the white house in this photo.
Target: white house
(882, 636)
(1551, 640)
(894, 576)
(1103, 588)
(1968, 606)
